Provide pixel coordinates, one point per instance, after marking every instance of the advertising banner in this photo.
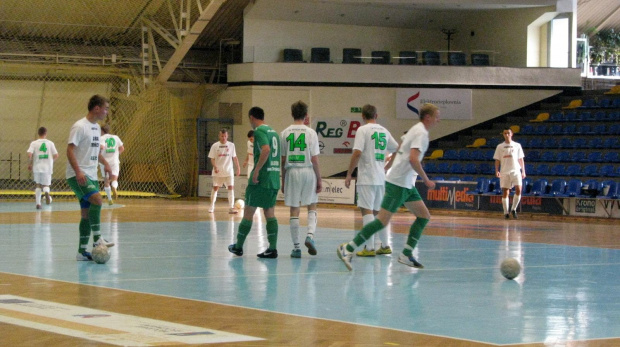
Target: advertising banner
(452, 103)
(336, 135)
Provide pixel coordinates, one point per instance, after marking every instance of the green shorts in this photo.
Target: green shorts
(395, 196)
(257, 196)
(83, 192)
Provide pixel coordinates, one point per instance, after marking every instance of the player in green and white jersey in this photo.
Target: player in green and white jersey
(263, 185)
(41, 156)
(301, 177)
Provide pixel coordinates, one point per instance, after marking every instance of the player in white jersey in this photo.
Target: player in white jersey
(83, 154)
(223, 155)
(372, 145)
(509, 156)
(41, 156)
(399, 190)
(301, 177)
(111, 148)
(249, 158)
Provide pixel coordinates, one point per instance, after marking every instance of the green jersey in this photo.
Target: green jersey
(269, 175)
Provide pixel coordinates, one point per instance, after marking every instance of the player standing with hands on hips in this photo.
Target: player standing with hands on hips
(41, 156)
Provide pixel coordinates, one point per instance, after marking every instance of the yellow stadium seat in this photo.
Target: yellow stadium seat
(573, 104)
(515, 129)
(614, 90)
(479, 142)
(541, 118)
(438, 153)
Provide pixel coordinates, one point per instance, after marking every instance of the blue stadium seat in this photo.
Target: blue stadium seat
(429, 167)
(471, 168)
(547, 156)
(615, 103)
(540, 129)
(536, 143)
(588, 117)
(604, 103)
(596, 142)
(573, 170)
(595, 157)
(476, 154)
(532, 156)
(590, 170)
(555, 129)
(468, 179)
(583, 129)
(570, 116)
(543, 170)
(599, 129)
(611, 142)
(530, 169)
(569, 129)
(457, 168)
(454, 179)
(558, 188)
(464, 154)
(613, 116)
(493, 142)
(573, 187)
(614, 129)
(611, 157)
(580, 142)
(526, 187)
(551, 142)
(600, 116)
(482, 186)
(486, 169)
(525, 143)
(443, 168)
(588, 103)
(539, 187)
(450, 154)
(495, 188)
(556, 117)
(563, 156)
(488, 154)
(565, 142)
(607, 170)
(558, 170)
(578, 156)
(527, 129)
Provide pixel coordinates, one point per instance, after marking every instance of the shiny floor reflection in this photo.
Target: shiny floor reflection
(564, 293)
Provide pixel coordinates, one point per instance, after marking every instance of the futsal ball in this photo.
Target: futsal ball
(100, 254)
(510, 268)
(239, 204)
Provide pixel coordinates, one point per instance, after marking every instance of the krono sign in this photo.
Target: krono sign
(336, 135)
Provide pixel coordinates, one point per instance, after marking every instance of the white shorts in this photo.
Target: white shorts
(370, 197)
(300, 187)
(227, 181)
(42, 178)
(114, 167)
(513, 178)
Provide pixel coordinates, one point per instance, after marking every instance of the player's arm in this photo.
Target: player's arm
(414, 160)
(497, 174)
(106, 166)
(29, 161)
(236, 161)
(317, 172)
(283, 169)
(215, 169)
(355, 158)
(391, 161)
(121, 149)
(522, 163)
(79, 175)
(265, 151)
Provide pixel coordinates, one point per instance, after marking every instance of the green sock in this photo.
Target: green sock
(415, 232)
(84, 235)
(367, 231)
(243, 231)
(94, 218)
(272, 232)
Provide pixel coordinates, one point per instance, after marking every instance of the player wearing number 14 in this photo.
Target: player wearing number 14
(41, 155)
(301, 177)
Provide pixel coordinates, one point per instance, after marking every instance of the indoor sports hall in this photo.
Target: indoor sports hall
(176, 72)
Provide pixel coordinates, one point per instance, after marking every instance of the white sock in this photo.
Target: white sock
(370, 243)
(505, 202)
(231, 198)
(213, 197)
(108, 192)
(515, 202)
(294, 225)
(312, 220)
(384, 236)
(37, 196)
(46, 189)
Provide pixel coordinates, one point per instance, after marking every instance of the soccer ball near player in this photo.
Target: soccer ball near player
(510, 268)
(239, 204)
(100, 254)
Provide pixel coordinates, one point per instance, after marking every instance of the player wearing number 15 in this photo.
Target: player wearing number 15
(263, 185)
(41, 155)
(301, 177)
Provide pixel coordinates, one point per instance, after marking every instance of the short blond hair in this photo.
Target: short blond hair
(427, 109)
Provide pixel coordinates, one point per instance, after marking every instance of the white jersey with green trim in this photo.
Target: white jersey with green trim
(43, 152)
(85, 136)
(299, 144)
(109, 148)
(402, 173)
(375, 142)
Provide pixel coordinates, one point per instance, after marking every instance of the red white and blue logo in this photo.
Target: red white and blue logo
(410, 106)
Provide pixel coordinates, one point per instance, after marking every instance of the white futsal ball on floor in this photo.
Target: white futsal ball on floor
(100, 254)
(510, 268)
(239, 204)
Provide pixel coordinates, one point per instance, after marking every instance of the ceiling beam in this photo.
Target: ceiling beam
(188, 41)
